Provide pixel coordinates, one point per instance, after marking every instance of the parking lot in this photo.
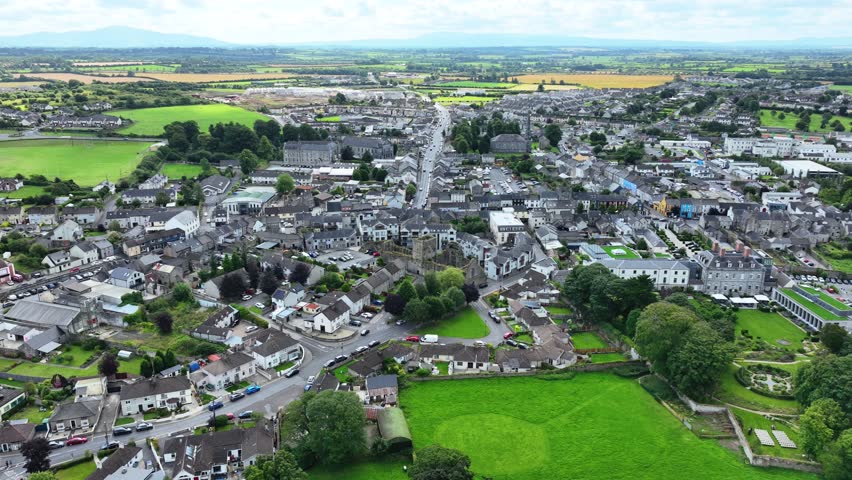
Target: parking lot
(346, 259)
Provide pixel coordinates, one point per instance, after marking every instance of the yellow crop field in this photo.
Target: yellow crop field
(531, 87)
(601, 80)
(215, 77)
(86, 78)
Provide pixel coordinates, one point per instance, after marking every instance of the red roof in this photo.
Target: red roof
(214, 358)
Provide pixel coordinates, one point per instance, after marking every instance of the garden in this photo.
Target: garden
(465, 324)
(760, 330)
(587, 340)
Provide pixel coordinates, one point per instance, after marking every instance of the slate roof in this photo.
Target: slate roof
(147, 388)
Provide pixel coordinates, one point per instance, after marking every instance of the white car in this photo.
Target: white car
(311, 380)
(367, 315)
(259, 305)
(246, 298)
(251, 328)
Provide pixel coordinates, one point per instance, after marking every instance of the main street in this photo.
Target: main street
(430, 154)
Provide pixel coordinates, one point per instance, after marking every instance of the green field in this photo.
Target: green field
(77, 353)
(87, 162)
(24, 192)
(31, 414)
(771, 328)
(843, 88)
(472, 84)
(46, 370)
(790, 120)
(385, 469)
(594, 426)
(332, 119)
(150, 121)
(628, 252)
(607, 357)
(465, 324)
(835, 256)
(754, 420)
(584, 340)
(176, 171)
(733, 392)
(558, 310)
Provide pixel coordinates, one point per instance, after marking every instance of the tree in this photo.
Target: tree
(114, 226)
(837, 458)
(417, 311)
(265, 150)
(284, 184)
(248, 161)
(410, 191)
(280, 466)
(435, 307)
(821, 423)
(395, 304)
(433, 285)
(164, 322)
(347, 154)
(422, 291)
(827, 376)
(182, 293)
(367, 157)
(450, 277)
(108, 365)
(833, 337)
(407, 291)
(233, 286)
(268, 282)
(438, 463)
(145, 368)
(457, 296)
(553, 134)
(36, 452)
(660, 331)
(471, 293)
(300, 273)
(698, 364)
(336, 427)
(162, 199)
(43, 476)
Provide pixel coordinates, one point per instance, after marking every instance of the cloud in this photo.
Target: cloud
(293, 21)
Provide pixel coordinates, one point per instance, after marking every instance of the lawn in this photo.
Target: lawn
(443, 367)
(32, 414)
(385, 469)
(617, 252)
(731, 391)
(835, 256)
(558, 310)
(46, 370)
(790, 120)
(465, 324)
(594, 426)
(607, 357)
(77, 472)
(7, 363)
(584, 340)
(77, 353)
(342, 372)
(24, 192)
(754, 420)
(87, 162)
(771, 328)
(124, 421)
(176, 171)
(150, 121)
(843, 88)
(284, 366)
(332, 119)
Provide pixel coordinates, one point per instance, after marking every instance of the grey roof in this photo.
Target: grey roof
(35, 312)
(114, 462)
(227, 363)
(158, 386)
(195, 453)
(74, 410)
(268, 342)
(218, 182)
(644, 264)
(122, 273)
(381, 381)
(16, 433)
(8, 394)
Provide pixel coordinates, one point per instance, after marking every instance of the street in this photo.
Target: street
(430, 154)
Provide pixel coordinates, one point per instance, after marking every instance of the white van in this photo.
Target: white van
(429, 339)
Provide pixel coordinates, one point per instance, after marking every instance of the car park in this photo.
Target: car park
(144, 426)
(252, 389)
(236, 396)
(122, 431)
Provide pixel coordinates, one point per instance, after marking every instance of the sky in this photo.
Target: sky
(299, 21)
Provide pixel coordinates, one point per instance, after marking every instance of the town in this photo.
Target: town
(389, 270)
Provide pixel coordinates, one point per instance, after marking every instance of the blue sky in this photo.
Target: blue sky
(289, 21)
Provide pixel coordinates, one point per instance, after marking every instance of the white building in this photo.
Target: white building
(170, 392)
(664, 273)
(504, 226)
(232, 368)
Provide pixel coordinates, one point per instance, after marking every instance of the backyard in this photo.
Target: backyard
(177, 171)
(464, 324)
(586, 340)
(76, 472)
(46, 370)
(567, 426)
(150, 121)
(790, 119)
(771, 328)
(607, 357)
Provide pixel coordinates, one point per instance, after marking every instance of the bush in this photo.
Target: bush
(631, 371)
(422, 372)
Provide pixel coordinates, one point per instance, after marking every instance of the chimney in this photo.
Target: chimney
(739, 246)
(716, 247)
(721, 252)
(747, 252)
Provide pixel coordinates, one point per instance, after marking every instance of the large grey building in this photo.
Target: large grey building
(378, 147)
(731, 273)
(310, 154)
(509, 143)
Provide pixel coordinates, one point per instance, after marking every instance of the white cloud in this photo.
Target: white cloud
(295, 21)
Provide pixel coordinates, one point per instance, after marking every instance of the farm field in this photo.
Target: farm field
(790, 119)
(465, 324)
(628, 252)
(584, 340)
(87, 78)
(598, 80)
(87, 162)
(531, 87)
(474, 84)
(464, 99)
(177, 171)
(844, 88)
(215, 77)
(571, 428)
(19, 84)
(150, 121)
(771, 328)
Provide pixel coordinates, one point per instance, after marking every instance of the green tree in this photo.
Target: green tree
(553, 134)
(182, 293)
(336, 427)
(827, 376)
(821, 423)
(164, 322)
(161, 199)
(450, 277)
(268, 282)
(833, 337)
(410, 191)
(42, 476)
(698, 364)
(145, 368)
(265, 150)
(837, 458)
(284, 184)
(457, 296)
(417, 311)
(407, 291)
(233, 286)
(108, 365)
(347, 154)
(660, 331)
(248, 161)
(435, 306)
(36, 453)
(280, 466)
(438, 463)
(433, 285)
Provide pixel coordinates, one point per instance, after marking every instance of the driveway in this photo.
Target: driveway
(108, 414)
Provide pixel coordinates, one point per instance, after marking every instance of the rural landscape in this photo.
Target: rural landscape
(238, 245)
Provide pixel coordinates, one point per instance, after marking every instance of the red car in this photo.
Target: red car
(76, 440)
(412, 338)
(508, 335)
(230, 416)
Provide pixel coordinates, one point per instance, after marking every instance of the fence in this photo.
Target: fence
(21, 378)
(587, 351)
(589, 367)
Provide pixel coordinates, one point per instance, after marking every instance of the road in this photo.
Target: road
(430, 154)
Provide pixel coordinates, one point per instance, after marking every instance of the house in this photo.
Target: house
(147, 394)
(41, 215)
(309, 154)
(85, 251)
(215, 185)
(509, 143)
(271, 348)
(284, 298)
(72, 416)
(157, 181)
(126, 463)
(7, 271)
(186, 221)
(218, 327)
(217, 454)
(377, 147)
(10, 184)
(731, 272)
(14, 214)
(265, 177)
(81, 215)
(147, 196)
(382, 388)
(212, 287)
(33, 313)
(126, 277)
(60, 261)
(10, 398)
(105, 248)
(12, 435)
(232, 368)
(332, 317)
(333, 239)
(664, 273)
(372, 362)
(464, 358)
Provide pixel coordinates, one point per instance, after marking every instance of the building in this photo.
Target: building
(147, 196)
(333, 239)
(271, 348)
(382, 388)
(377, 147)
(332, 317)
(157, 181)
(10, 398)
(126, 463)
(232, 368)
(731, 272)
(13, 435)
(249, 201)
(147, 394)
(38, 314)
(310, 154)
(215, 185)
(186, 221)
(10, 184)
(664, 273)
(218, 327)
(126, 277)
(504, 227)
(806, 168)
(509, 143)
(71, 416)
(812, 307)
(7, 271)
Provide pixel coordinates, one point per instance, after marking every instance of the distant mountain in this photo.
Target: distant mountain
(109, 37)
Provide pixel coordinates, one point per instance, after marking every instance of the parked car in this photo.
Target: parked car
(355, 323)
(483, 285)
(289, 374)
(329, 363)
(76, 441)
(362, 349)
(215, 405)
(252, 389)
(122, 431)
(260, 305)
(308, 387)
(365, 332)
(479, 343)
(246, 298)
(367, 315)
(251, 328)
(511, 343)
(508, 335)
(311, 380)
(144, 426)
(412, 338)
(53, 445)
(523, 346)
(111, 446)
(245, 415)
(400, 322)
(230, 416)
(236, 396)
(341, 358)
(374, 343)
(10, 283)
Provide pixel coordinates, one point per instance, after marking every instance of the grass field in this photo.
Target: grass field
(771, 328)
(790, 120)
(558, 310)
(177, 171)
(332, 119)
(150, 121)
(594, 426)
(87, 162)
(215, 77)
(474, 84)
(24, 192)
(465, 324)
(731, 391)
(834, 255)
(77, 472)
(77, 353)
(754, 420)
(584, 340)
(46, 370)
(385, 469)
(7, 363)
(843, 88)
(464, 99)
(598, 80)
(531, 87)
(607, 357)
(628, 252)
(86, 78)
